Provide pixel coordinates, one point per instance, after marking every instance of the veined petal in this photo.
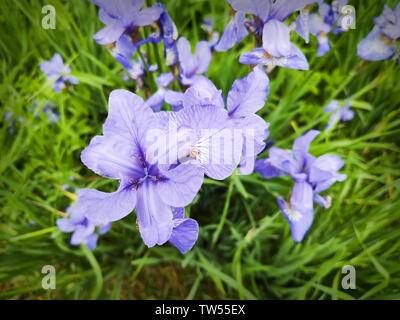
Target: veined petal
(181, 184)
(101, 207)
(154, 216)
(234, 32)
(266, 169)
(248, 95)
(184, 235)
(203, 56)
(109, 34)
(299, 222)
(276, 38)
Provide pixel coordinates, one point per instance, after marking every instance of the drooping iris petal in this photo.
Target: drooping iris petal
(103, 229)
(123, 51)
(91, 241)
(276, 38)
(154, 216)
(266, 169)
(109, 34)
(300, 214)
(296, 59)
(234, 32)
(375, 47)
(181, 184)
(81, 234)
(184, 234)
(203, 55)
(102, 207)
(248, 95)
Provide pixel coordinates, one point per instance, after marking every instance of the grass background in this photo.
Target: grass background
(244, 248)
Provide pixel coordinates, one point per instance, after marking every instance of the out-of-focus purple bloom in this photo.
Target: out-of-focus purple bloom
(265, 11)
(83, 229)
(122, 16)
(51, 113)
(157, 99)
(380, 43)
(169, 33)
(311, 175)
(152, 181)
(321, 24)
(191, 66)
(344, 114)
(8, 115)
(55, 70)
(137, 70)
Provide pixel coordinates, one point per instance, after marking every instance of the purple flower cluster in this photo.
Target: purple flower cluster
(160, 148)
(160, 158)
(380, 43)
(311, 175)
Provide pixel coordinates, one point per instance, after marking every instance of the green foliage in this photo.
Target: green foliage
(244, 249)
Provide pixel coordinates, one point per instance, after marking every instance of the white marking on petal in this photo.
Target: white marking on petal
(293, 215)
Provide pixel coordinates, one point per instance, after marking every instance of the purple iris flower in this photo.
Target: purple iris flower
(344, 114)
(51, 112)
(83, 229)
(245, 131)
(157, 99)
(152, 181)
(380, 43)
(321, 24)
(56, 71)
(191, 66)
(268, 24)
(122, 16)
(311, 175)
